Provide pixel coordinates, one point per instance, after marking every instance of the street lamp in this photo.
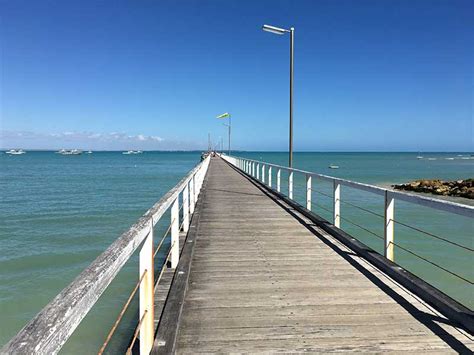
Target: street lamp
(291, 31)
(227, 115)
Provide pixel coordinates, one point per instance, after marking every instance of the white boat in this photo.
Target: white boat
(332, 166)
(128, 152)
(15, 152)
(89, 152)
(431, 158)
(69, 151)
(419, 157)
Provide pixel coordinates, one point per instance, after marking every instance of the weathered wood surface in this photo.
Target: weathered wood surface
(265, 280)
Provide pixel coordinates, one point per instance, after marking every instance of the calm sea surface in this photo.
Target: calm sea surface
(58, 213)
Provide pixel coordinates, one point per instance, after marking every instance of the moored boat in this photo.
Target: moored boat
(69, 151)
(15, 152)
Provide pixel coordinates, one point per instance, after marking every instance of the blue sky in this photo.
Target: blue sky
(369, 75)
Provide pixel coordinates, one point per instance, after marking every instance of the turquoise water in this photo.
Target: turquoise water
(58, 213)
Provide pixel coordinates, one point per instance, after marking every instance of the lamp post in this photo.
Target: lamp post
(227, 115)
(291, 31)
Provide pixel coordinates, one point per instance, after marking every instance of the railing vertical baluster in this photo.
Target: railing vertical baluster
(263, 173)
(252, 172)
(308, 192)
(175, 234)
(146, 294)
(389, 225)
(290, 185)
(191, 195)
(337, 203)
(278, 179)
(258, 171)
(270, 176)
(186, 208)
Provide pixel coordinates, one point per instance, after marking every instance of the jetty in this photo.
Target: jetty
(250, 270)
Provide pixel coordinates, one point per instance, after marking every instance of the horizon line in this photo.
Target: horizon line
(252, 151)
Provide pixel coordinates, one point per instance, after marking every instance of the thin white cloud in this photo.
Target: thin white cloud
(89, 140)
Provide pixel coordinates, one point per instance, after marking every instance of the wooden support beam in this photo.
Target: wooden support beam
(290, 185)
(389, 226)
(146, 294)
(278, 180)
(337, 204)
(308, 192)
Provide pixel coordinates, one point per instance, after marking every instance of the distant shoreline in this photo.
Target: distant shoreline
(470, 153)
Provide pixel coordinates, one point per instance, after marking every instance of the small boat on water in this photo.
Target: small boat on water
(15, 152)
(89, 152)
(431, 158)
(419, 157)
(129, 152)
(332, 166)
(69, 151)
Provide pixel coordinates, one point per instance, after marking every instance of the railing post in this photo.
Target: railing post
(389, 225)
(270, 176)
(263, 173)
(252, 169)
(186, 208)
(175, 234)
(308, 192)
(337, 203)
(258, 171)
(191, 195)
(146, 294)
(278, 179)
(198, 184)
(290, 185)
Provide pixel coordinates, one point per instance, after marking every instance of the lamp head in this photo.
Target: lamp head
(273, 29)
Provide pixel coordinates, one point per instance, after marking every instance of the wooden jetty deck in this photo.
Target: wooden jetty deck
(256, 275)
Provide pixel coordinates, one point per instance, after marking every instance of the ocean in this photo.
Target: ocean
(58, 213)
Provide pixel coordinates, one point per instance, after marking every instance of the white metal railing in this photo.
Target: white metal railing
(258, 169)
(47, 332)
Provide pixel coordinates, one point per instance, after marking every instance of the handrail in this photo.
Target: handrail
(448, 206)
(53, 325)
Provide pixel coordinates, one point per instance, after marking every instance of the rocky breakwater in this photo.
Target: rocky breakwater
(458, 188)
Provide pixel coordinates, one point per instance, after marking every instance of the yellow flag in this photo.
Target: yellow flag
(224, 115)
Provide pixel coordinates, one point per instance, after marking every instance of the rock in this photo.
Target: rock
(464, 188)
